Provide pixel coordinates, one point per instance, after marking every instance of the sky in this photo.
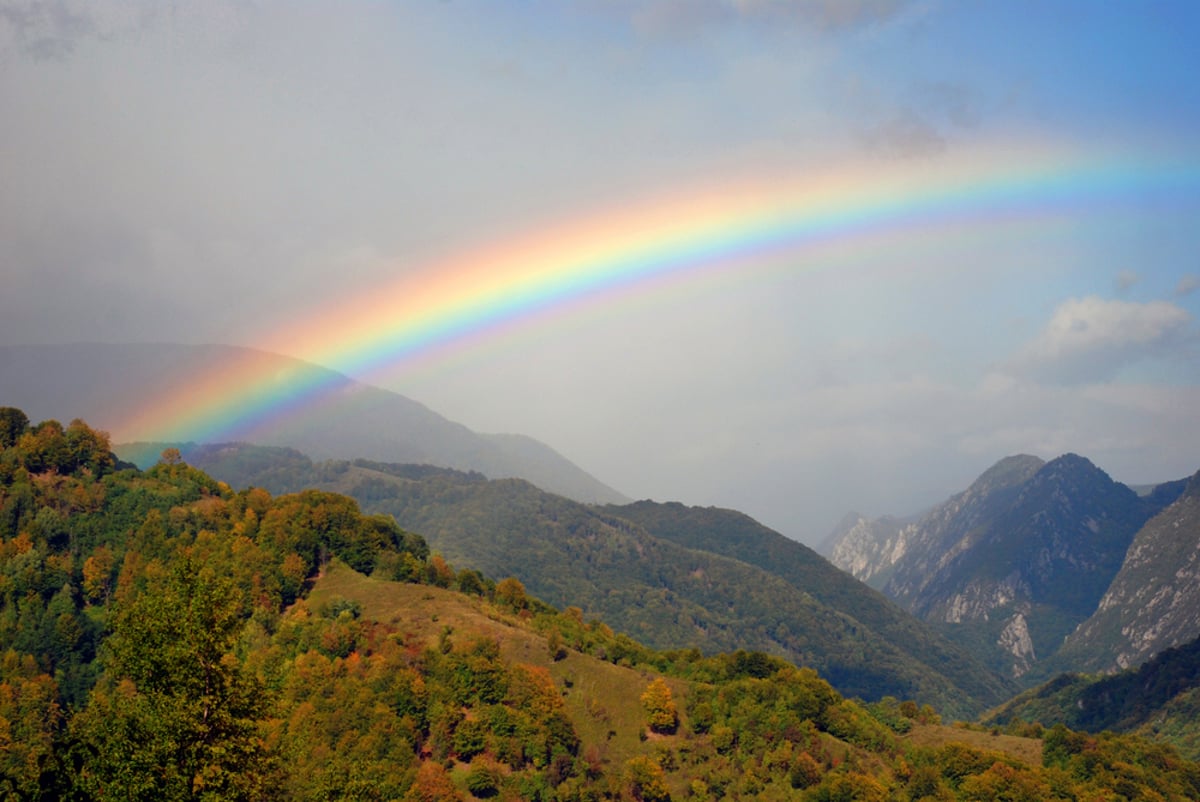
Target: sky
(233, 171)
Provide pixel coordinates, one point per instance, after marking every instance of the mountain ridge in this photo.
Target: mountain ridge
(1151, 603)
(1024, 555)
(355, 420)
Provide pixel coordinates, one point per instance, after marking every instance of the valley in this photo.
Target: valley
(164, 632)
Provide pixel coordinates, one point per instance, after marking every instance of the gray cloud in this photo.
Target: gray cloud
(831, 15)
(690, 17)
(955, 103)
(1126, 279)
(1091, 339)
(44, 29)
(1187, 285)
(905, 134)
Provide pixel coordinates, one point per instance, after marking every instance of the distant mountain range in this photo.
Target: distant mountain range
(1042, 566)
(671, 576)
(101, 382)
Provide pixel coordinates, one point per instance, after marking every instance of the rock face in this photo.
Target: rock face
(1015, 562)
(1154, 601)
(1016, 640)
(868, 548)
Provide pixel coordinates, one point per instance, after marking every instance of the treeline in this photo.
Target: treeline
(160, 638)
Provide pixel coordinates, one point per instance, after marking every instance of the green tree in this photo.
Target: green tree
(13, 424)
(176, 716)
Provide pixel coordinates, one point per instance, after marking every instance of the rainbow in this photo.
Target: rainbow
(737, 229)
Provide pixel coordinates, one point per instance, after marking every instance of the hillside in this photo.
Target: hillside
(1160, 699)
(736, 535)
(353, 420)
(1012, 565)
(164, 637)
(665, 594)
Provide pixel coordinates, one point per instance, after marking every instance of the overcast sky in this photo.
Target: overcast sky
(212, 172)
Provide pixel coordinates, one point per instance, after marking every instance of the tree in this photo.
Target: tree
(510, 591)
(432, 785)
(645, 780)
(661, 714)
(29, 718)
(13, 424)
(97, 574)
(175, 716)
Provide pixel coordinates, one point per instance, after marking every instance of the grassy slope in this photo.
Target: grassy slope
(1027, 750)
(600, 697)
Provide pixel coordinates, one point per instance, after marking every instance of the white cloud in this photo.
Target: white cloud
(1091, 339)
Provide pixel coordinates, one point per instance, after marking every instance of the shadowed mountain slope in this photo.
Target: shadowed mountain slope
(734, 534)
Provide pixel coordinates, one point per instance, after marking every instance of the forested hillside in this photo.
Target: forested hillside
(1160, 698)
(735, 585)
(164, 637)
(734, 534)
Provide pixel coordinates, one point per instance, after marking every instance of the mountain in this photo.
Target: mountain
(873, 549)
(1154, 601)
(1014, 563)
(868, 548)
(103, 382)
(667, 594)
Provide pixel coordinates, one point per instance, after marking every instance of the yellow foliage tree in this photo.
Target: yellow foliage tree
(661, 714)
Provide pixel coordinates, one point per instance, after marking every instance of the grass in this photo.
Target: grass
(1028, 750)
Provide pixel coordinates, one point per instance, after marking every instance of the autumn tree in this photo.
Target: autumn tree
(645, 781)
(29, 718)
(511, 592)
(661, 715)
(432, 784)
